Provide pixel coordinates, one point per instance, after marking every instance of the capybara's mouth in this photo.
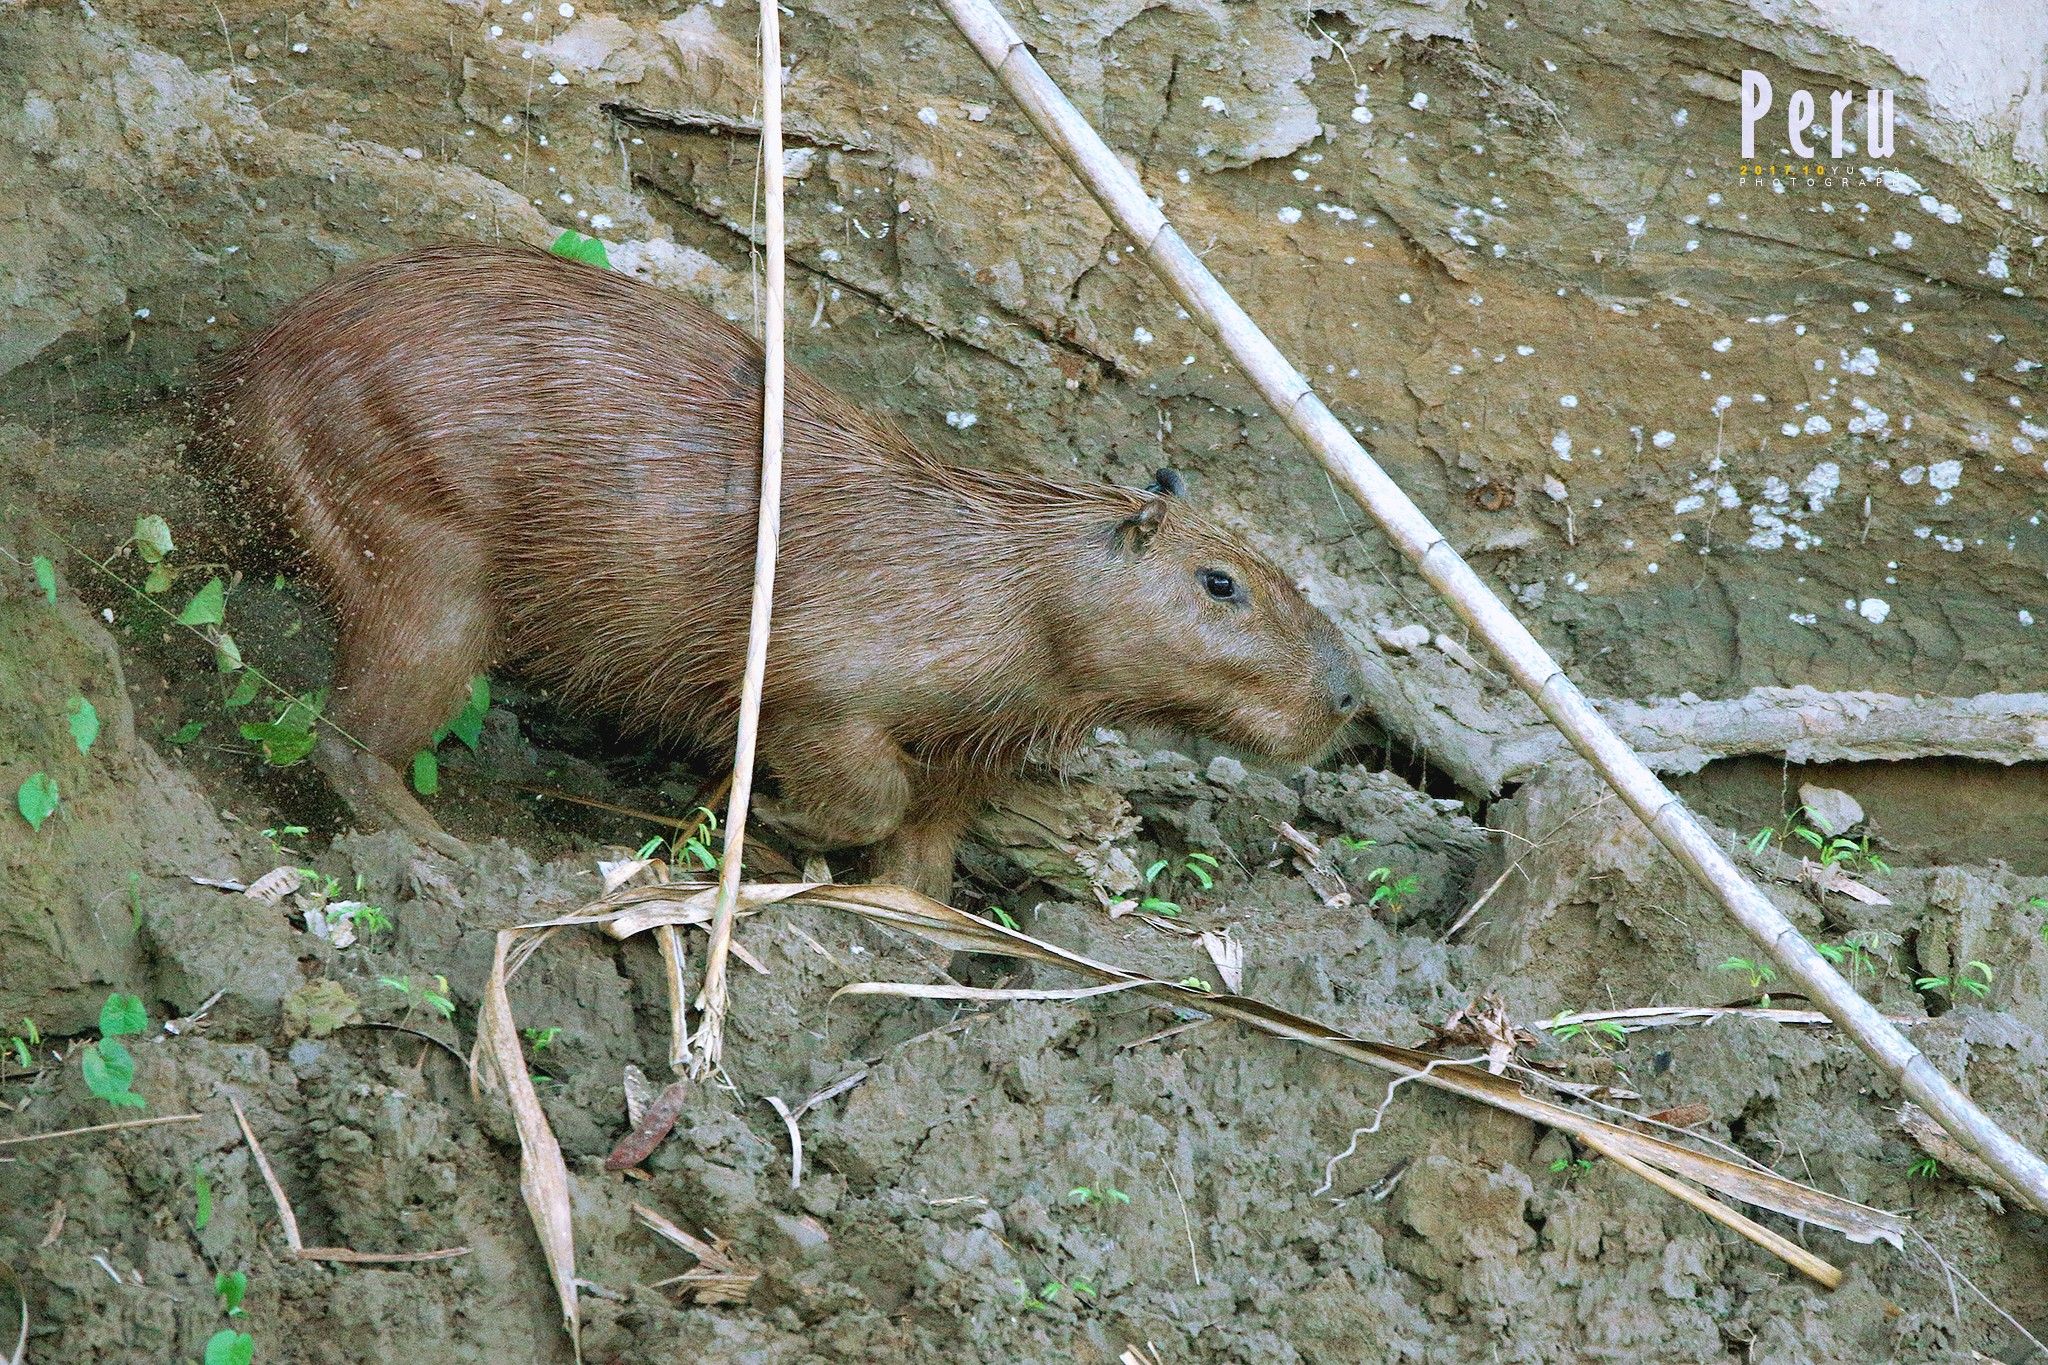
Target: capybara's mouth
(1279, 735)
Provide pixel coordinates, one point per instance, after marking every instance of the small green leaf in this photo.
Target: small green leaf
(231, 1285)
(426, 773)
(468, 725)
(245, 691)
(109, 1071)
(152, 538)
(577, 247)
(122, 1014)
(37, 798)
(186, 733)
(159, 580)
(208, 606)
(229, 1347)
(85, 723)
(303, 711)
(202, 1198)
(227, 655)
(46, 578)
(282, 744)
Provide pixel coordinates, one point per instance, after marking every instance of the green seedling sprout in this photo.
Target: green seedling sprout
(1974, 979)
(1926, 1168)
(108, 1066)
(1088, 1194)
(22, 1045)
(1760, 974)
(417, 994)
(231, 1285)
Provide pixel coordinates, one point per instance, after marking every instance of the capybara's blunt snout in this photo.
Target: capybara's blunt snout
(1341, 682)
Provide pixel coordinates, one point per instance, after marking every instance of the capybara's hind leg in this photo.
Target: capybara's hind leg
(415, 629)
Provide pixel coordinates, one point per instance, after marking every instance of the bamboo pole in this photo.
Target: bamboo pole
(1117, 189)
(712, 997)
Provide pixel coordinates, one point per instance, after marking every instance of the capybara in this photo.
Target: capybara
(494, 455)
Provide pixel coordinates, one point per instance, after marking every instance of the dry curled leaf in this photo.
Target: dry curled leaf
(274, 885)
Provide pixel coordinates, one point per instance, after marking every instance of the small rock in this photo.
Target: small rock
(1225, 771)
(1403, 639)
(1832, 812)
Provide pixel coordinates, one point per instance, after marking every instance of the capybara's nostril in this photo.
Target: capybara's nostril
(1347, 703)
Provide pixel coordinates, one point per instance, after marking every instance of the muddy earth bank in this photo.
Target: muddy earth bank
(1711, 432)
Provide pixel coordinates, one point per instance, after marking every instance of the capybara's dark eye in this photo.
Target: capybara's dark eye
(1218, 584)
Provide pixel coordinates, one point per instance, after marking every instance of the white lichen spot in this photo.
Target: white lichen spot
(1361, 115)
(960, 421)
(1724, 343)
(1863, 362)
(1289, 215)
(1945, 474)
(1569, 400)
(1561, 444)
(1664, 440)
(1821, 485)
(1996, 266)
(1692, 502)
(1874, 610)
(1902, 241)
(1214, 104)
(1817, 425)
(1418, 100)
(1141, 336)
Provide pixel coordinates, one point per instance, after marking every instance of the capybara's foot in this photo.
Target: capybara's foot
(376, 794)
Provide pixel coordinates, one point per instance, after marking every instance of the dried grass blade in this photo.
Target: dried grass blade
(543, 1178)
(913, 991)
(718, 1278)
(671, 941)
(963, 932)
(1813, 1267)
(354, 1257)
(285, 1216)
(101, 1128)
(19, 1356)
(796, 1139)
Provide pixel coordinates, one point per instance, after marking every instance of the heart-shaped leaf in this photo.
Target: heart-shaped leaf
(37, 798)
(152, 538)
(122, 1014)
(85, 723)
(208, 606)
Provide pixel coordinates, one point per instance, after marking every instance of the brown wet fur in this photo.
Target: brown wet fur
(493, 455)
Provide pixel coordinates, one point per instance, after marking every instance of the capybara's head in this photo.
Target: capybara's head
(1187, 625)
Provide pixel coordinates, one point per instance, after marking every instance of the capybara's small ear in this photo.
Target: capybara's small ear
(1167, 480)
(1135, 532)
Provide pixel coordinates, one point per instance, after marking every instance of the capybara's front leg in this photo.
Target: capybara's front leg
(843, 784)
(376, 793)
(943, 803)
